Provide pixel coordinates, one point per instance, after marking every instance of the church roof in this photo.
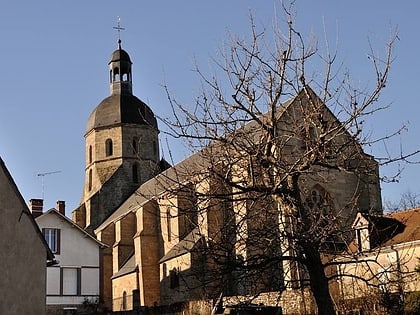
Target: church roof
(121, 108)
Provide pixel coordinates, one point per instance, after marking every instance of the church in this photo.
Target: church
(157, 223)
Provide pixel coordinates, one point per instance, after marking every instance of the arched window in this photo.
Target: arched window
(108, 147)
(90, 154)
(135, 171)
(116, 74)
(90, 180)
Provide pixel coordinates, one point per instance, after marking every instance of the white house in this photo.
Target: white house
(74, 281)
(382, 259)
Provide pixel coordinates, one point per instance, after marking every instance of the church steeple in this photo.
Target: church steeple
(122, 148)
(120, 75)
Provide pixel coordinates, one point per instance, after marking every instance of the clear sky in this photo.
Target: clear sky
(54, 57)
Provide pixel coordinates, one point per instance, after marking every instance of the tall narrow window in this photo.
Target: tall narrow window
(90, 180)
(52, 236)
(116, 74)
(168, 223)
(135, 172)
(108, 147)
(90, 154)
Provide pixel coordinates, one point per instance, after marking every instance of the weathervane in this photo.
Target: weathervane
(119, 29)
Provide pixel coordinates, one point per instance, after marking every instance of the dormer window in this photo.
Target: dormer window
(362, 237)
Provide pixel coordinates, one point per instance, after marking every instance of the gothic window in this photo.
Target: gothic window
(319, 211)
(108, 147)
(135, 171)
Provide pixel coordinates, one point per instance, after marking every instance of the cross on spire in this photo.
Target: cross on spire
(119, 29)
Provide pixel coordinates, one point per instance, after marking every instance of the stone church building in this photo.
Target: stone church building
(151, 216)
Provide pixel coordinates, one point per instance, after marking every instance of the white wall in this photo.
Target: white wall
(78, 260)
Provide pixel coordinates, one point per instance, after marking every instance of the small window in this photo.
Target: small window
(174, 278)
(52, 236)
(108, 147)
(168, 223)
(90, 154)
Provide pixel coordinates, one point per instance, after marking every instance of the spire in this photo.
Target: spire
(119, 29)
(120, 68)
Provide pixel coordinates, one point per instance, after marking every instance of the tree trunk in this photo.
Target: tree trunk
(318, 281)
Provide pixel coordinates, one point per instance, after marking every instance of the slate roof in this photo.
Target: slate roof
(128, 267)
(122, 108)
(184, 246)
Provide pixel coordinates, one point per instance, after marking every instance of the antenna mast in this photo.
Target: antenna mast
(42, 175)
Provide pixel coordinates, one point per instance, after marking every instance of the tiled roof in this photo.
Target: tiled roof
(411, 221)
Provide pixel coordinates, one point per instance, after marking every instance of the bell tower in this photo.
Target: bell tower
(121, 142)
(120, 72)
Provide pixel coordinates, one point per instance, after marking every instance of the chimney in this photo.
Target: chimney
(36, 205)
(61, 207)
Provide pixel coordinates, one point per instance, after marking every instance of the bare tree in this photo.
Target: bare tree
(279, 167)
(408, 200)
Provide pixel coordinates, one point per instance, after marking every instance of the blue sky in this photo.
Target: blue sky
(54, 71)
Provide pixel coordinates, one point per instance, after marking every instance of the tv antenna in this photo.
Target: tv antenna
(42, 175)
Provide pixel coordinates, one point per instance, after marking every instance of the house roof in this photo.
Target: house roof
(392, 229)
(411, 221)
(50, 256)
(54, 211)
